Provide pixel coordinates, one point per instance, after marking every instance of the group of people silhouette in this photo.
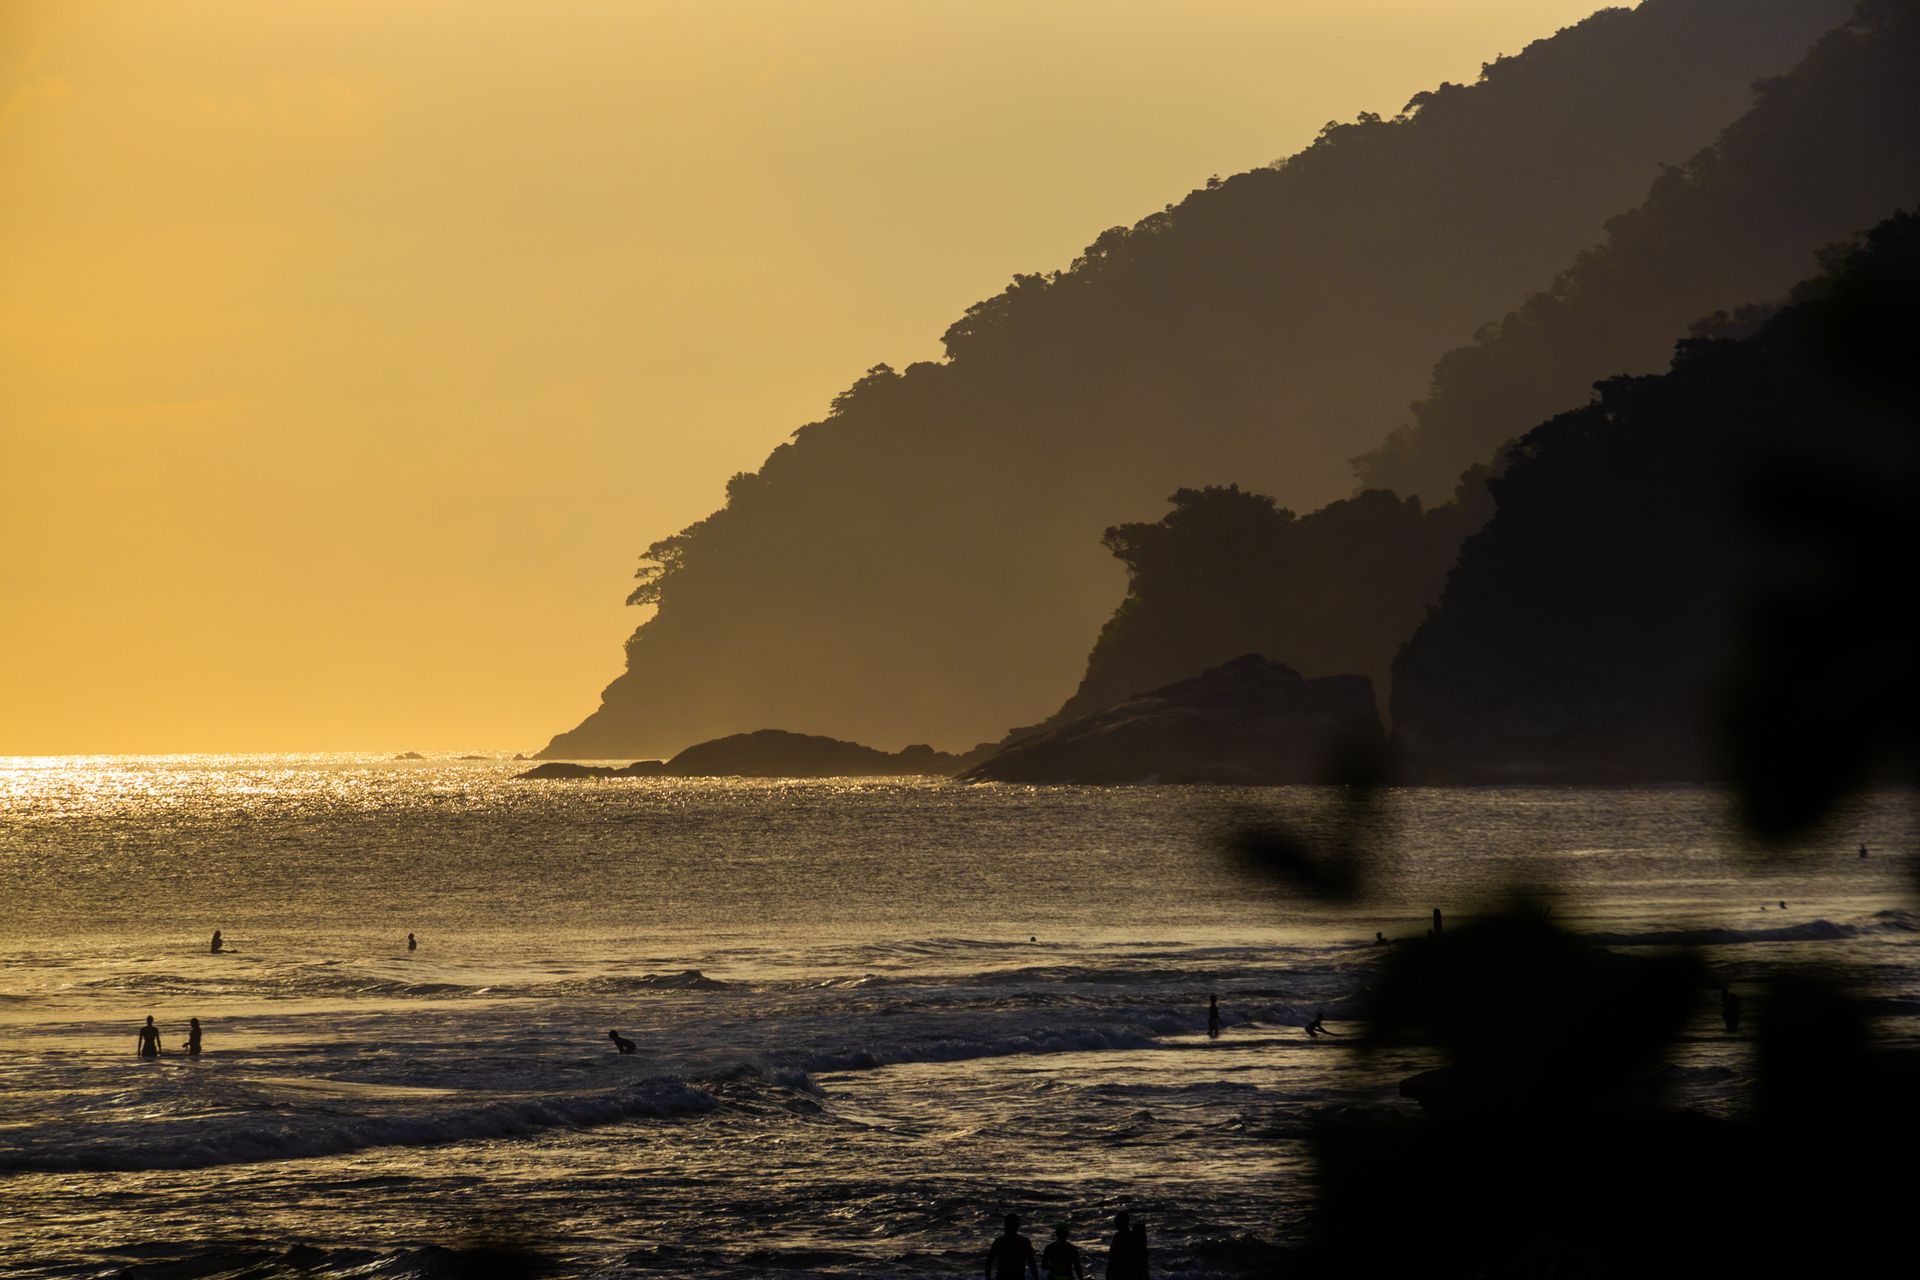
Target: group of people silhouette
(1011, 1256)
(149, 1041)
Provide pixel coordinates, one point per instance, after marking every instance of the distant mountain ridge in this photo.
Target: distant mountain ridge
(923, 564)
(1829, 149)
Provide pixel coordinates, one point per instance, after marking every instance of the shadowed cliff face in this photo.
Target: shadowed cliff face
(1228, 572)
(1827, 150)
(924, 563)
(1590, 627)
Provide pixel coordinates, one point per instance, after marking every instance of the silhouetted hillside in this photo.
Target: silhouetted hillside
(921, 564)
(1228, 572)
(1829, 149)
(1585, 627)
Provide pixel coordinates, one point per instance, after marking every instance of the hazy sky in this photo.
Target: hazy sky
(350, 353)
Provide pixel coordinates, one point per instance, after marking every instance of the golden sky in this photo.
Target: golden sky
(350, 353)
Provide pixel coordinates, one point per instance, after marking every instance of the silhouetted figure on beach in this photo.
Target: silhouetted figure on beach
(620, 1042)
(1120, 1251)
(1379, 938)
(1213, 1017)
(217, 943)
(1730, 1010)
(1863, 851)
(192, 1045)
(411, 944)
(1436, 922)
(1138, 1252)
(1061, 1260)
(149, 1039)
(1011, 1256)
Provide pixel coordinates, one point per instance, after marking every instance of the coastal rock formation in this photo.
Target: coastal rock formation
(1228, 572)
(922, 564)
(1248, 721)
(775, 753)
(770, 753)
(566, 770)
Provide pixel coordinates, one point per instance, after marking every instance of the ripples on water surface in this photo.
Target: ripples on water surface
(850, 1054)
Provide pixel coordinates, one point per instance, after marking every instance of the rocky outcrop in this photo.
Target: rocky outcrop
(1249, 721)
(770, 753)
(775, 753)
(566, 771)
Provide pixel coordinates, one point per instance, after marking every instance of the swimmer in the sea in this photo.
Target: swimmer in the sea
(149, 1039)
(620, 1042)
(411, 944)
(192, 1045)
(1318, 1027)
(217, 943)
(1061, 1259)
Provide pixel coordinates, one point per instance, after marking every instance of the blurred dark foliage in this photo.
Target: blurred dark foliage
(1548, 1142)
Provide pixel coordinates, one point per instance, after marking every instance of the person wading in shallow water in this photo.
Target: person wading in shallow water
(1010, 1256)
(411, 944)
(1213, 1017)
(217, 943)
(1061, 1260)
(1138, 1252)
(192, 1044)
(149, 1039)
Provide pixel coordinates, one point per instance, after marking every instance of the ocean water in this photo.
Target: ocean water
(870, 1016)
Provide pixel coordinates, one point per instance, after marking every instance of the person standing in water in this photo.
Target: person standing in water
(1010, 1256)
(149, 1039)
(1138, 1252)
(1730, 1010)
(1213, 1017)
(1061, 1260)
(1120, 1252)
(217, 943)
(411, 944)
(192, 1046)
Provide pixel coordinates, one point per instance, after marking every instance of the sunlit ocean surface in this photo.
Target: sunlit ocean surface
(871, 1016)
